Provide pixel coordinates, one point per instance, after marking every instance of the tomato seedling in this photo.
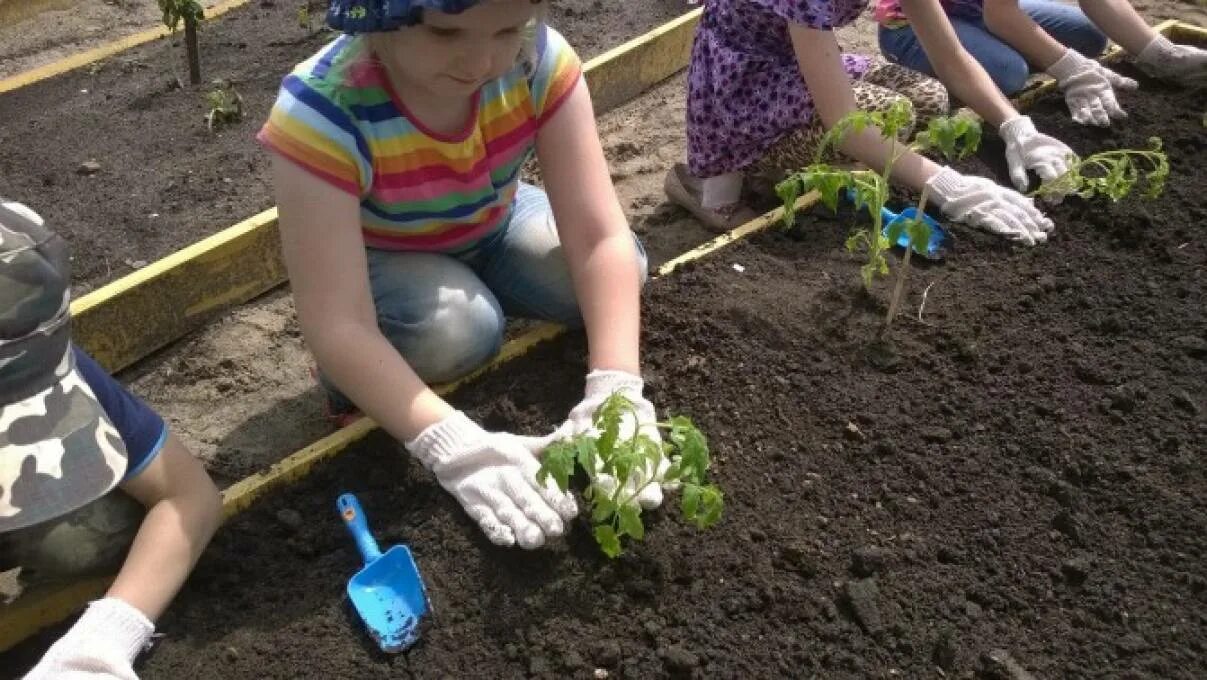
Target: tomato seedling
(191, 13)
(632, 462)
(225, 105)
(954, 137)
(1113, 174)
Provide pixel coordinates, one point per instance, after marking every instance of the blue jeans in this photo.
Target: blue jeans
(1009, 70)
(445, 314)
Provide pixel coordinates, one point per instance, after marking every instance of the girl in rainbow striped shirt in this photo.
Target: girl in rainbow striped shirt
(408, 236)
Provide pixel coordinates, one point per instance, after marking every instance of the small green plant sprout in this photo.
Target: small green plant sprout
(225, 105)
(615, 512)
(191, 13)
(306, 15)
(1113, 174)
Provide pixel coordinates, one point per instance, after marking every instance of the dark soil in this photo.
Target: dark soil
(1016, 483)
(162, 180)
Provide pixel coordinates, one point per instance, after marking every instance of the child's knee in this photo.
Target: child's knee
(460, 336)
(1010, 74)
(90, 541)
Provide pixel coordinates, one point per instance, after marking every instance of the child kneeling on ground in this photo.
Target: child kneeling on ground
(409, 236)
(767, 80)
(70, 434)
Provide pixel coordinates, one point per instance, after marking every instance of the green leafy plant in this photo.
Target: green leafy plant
(306, 14)
(1113, 174)
(954, 137)
(225, 105)
(615, 512)
(191, 13)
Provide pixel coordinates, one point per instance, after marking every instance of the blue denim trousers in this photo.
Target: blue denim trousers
(445, 314)
(1009, 70)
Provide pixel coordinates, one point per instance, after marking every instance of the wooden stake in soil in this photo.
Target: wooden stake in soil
(192, 50)
(903, 273)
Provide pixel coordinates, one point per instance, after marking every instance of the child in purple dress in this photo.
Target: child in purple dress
(767, 79)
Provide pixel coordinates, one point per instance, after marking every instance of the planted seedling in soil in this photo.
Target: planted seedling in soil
(306, 14)
(632, 462)
(1113, 174)
(225, 105)
(191, 13)
(954, 137)
(867, 188)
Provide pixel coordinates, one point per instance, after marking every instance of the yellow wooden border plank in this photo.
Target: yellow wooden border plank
(74, 61)
(622, 73)
(37, 610)
(128, 319)
(138, 314)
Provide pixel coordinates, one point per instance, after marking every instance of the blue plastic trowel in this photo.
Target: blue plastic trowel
(387, 592)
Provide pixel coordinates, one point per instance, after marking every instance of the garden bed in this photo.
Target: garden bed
(162, 181)
(1026, 477)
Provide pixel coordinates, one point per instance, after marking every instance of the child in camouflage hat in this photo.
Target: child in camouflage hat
(70, 434)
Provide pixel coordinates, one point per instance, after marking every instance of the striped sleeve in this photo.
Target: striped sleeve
(558, 69)
(309, 128)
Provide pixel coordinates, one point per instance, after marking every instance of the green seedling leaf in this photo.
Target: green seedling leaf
(585, 453)
(919, 235)
(711, 505)
(630, 522)
(789, 191)
(690, 504)
(558, 462)
(607, 421)
(603, 508)
(693, 449)
(895, 229)
(955, 137)
(607, 539)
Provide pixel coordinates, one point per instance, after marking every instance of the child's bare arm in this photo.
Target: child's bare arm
(183, 511)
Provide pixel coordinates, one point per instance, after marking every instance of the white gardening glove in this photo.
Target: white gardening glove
(1170, 61)
(600, 386)
(1027, 149)
(1089, 89)
(979, 202)
(493, 476)
(101, 645)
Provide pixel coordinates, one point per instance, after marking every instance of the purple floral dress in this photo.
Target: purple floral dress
(745, 90)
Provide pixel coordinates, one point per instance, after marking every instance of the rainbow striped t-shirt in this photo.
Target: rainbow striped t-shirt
(888, 12)
(419, 190)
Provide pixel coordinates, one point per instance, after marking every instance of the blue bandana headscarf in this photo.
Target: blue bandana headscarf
(373, 16)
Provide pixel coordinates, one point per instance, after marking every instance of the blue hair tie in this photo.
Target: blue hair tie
(375, 16)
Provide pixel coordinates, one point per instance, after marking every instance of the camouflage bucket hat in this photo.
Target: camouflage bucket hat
(58, 450)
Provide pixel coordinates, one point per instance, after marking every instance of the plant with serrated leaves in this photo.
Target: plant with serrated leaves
(955, 137)
(1113, 174)
(225, 105)
(190, 12)
(615, 512)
